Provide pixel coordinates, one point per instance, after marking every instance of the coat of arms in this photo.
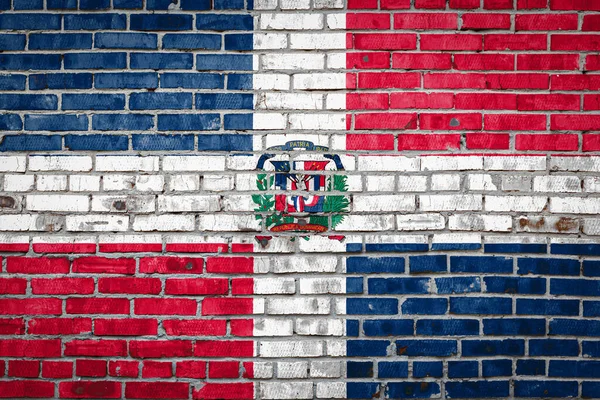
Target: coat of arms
(304, 205)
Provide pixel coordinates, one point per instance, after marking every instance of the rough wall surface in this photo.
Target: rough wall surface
(296, 199)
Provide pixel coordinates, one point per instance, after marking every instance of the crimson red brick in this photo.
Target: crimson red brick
(498, 4)
(350, 84)
(389, 80)
(226, 306)
(12, 326)
(39, 348)
(558, 142)
(422, 100)
(451, 42)
(540, 102)
(370, 60)
(38, 265)
(90, 390)
(96, 348)
(500, 62)
(242, 327)
(13, 286)
(546, 22)
(157, 390)
(580, 5)
(531, 4)
(362, 4)
(37, 306)
(102, 265)
(130, 285)
(246, 285)
(369, 142)
(574, 122)
(62, 286)
(197, 247)
(515, 122)
(554, 62)
(591, 142)
(385, 41)
(59, 326)
(69, 248)
(591, 102)
(130, 247)
(225, 391)
(160, 348)
(24, 368)
(395, 121)
(97, 306)
(485, 101)
(367, 101)
(125, 327)
(162, 306)
(197, 286)
(124, 369)
(430, 4)
(248, 370)
(426, 21)
(368, 21)
(171, 265)
(224, 348)
(517, 81)
(428, 142)
(157, 369)
(190, 369)
(454, 81)
(483, 21)
(496, 141)
(230, 265)
(199, 327)
(592, 62)
(579, 82)
(515, 41)
(395, 4)
(27, 388)
(223, 369)
(57, 369)
(577, 42)
(90, 368)
(464, 4)
(452, 121)
(425, 61)
(591, 23)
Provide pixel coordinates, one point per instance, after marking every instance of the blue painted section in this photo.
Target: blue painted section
(96, 142)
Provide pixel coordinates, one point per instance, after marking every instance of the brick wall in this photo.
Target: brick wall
(240, 199)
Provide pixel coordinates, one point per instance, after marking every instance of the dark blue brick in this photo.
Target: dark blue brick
(496, 368)
(160, 101)
(582, 249)
(12, 42)
(96, 142)
(496, 265)
(426, 348)
(508, 347)
(189, 122)
(195, 4)
(122, 122)
(161, 61)
(192, 81)
(126, 80)
(428, 306)
(30, 143)
(64, 122)
(366, 348)
(28, 102)
(398, 285)
(428, 369)
(516, 248)
(573, 327)
(591, 268)
(228, 4)
(371, 306)
(591, 349)
(591, 308)
(161, 22)
(224, 101)
(547, 307)
(23, 62)
(412, 390)
(545, 389)
(61, 4)
(354, 248)
(455, 246)
(225, 143)
(192, 41)
(239, 42)
(159, 4)
(224, 22)
(239, 122)
(396, 247)
(514, 327)
(29, 21)
(388, 327)
(10, 122)
(362, 390)
(463, 369)
(359, 369)
(92, 22)
(250, 4)
(394, 369)
(515, 285)
(60, 81)
(531, 367)
(4, 4)
(352, 327)
(447, 327)
(94, 4)
(553, 347)
(354, 285)
(239, 82)
(154, 142)
(224, 62)
(477, 390)
(370, 265)
(575, 287)
(60, 41)
(126, 41)
(12, 82)
(547, 266)
(574, 369)
(28, 4)
(420, 264)
(128, 4)
(481, 305)
(466, 284)
(93, 102)
(590, 390)
(95, 60)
